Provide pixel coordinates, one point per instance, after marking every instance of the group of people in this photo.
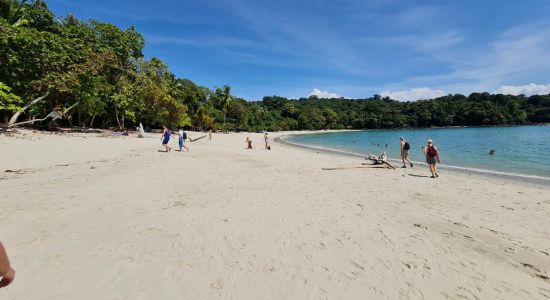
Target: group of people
(430, 153)
(248, 142)
(430, 150)
(182, 138)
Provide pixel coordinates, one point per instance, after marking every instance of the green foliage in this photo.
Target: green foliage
(101, 67)
(8, 101)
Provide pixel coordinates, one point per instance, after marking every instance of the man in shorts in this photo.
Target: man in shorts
(404, 146)
(432, 155)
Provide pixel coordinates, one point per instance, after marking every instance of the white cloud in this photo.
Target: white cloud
(413, 94)
(324, 94)
(528, 89)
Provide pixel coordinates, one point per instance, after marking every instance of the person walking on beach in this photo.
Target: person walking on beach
(165, 138)
(182, 137)
(6, 271)
(267, 147)
(432, 154)
(405, 146)
(249, 143)
(209, 135)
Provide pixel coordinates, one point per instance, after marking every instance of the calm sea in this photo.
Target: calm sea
(520, 150)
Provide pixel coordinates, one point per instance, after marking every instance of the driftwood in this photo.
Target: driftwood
(53, 114)
(346, 168)
(19, 112)
(382, 159)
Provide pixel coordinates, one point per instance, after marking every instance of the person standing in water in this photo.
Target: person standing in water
(432, 154)
(182, 137)
(405, 146)
(7, 273)
(165, 138)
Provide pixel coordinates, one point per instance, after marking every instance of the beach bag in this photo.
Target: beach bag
(184, 135)
(431, 151)
(407, 146)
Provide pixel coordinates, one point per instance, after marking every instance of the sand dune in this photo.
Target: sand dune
(88, 217)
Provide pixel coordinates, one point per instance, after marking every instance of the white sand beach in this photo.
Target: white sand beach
(90, 217)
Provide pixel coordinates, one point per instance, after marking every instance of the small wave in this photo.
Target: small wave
(458, 168)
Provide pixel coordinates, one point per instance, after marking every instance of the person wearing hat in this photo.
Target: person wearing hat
(432, 155)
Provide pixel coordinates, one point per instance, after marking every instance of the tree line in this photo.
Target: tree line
(99, 69)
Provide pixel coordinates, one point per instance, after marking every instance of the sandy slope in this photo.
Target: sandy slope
(87, 217)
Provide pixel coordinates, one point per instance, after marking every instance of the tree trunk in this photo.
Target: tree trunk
(81, 122)
(22, 110)
(92, 121)
(116, 115)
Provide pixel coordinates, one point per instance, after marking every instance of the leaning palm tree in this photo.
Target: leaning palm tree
(224, 99)
(14, 11)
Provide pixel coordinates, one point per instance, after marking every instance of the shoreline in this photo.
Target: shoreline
(534, 179)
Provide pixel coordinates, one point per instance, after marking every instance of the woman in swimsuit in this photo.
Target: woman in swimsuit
(165, 138)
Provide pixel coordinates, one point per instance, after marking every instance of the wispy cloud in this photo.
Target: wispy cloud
(518, 52)
(420, 42)
(413, 94)
(210, 41)
(515, 55)
(299, 37)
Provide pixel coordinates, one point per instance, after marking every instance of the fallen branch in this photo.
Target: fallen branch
(53, 114)
(19, 112)
(346, 168)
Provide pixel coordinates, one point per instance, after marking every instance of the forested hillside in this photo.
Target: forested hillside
(100, 69)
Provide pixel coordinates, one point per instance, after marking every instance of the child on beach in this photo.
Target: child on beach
(6, 271)
(249, 143)
(182, 137)
(165, 138)
(431, 153)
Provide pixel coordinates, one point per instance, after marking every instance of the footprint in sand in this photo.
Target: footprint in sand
(217, 284)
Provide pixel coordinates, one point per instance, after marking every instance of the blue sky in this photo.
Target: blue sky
(406, 49)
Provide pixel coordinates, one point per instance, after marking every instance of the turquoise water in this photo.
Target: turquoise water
(520, 150)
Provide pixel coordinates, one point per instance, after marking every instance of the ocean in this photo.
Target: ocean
(522, 151)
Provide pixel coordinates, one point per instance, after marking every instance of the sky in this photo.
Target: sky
(404, 49)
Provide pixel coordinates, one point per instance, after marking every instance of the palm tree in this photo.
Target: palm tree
(224, 99)
(14, 11)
